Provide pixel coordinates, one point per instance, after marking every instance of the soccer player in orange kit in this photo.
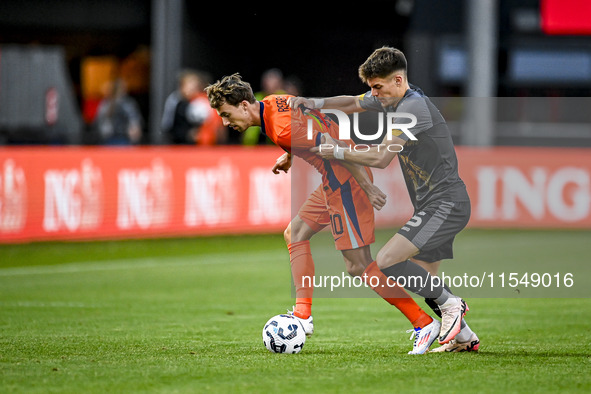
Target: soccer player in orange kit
(346, 197)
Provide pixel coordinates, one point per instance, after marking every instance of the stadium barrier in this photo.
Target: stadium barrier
(65, 193)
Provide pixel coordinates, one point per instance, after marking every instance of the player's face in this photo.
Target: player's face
(235, 117)
(388, 90)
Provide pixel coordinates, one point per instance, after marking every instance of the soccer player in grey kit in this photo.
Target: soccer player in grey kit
(430, 167)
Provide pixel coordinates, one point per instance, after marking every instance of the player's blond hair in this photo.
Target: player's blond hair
(382, 63)
(230, 89)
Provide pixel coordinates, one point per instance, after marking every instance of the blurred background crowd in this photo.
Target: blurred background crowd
(129, 72)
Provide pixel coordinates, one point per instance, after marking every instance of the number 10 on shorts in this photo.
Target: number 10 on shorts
(337, 223)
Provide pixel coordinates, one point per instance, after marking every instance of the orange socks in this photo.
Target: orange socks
(395, 295)
(302, 272)
(303, 308)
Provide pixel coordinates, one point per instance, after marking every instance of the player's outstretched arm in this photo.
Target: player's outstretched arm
(346, 104)
(378, 156)
(283, 163)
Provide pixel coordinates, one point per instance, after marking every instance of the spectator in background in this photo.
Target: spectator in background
(206, 125)
(188, 118)
(118, 120)
(293, 86)
(135, 71)
(271, 83)
(175, 125)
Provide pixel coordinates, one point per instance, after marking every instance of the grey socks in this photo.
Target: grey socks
(415, 278)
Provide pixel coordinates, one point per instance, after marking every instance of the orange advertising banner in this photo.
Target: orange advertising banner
(528, 187)
(63, 193)
(104, 193)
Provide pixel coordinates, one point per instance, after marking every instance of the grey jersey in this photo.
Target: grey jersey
(429, 164)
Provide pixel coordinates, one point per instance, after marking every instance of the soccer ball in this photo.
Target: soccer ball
(284, 334)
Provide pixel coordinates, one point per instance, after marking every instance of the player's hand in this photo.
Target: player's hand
(376, 196)
(325, 151)
(328, 139)
(283, 163)
(295, 102)
(327, 147)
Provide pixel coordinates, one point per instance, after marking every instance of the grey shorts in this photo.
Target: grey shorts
(433, 229)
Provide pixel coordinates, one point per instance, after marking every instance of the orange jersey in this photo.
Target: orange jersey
(288, 129)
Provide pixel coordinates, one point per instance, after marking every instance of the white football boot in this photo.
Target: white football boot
(307, 324)
(454, 346)
(452, 312)
(424, 337)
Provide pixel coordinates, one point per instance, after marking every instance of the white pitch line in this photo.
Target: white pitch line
(144, 263)
(42, 304)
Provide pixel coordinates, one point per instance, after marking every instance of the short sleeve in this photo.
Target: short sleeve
(369, 102)
(417, 107)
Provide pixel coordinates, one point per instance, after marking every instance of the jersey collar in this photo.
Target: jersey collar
(408, 92)
(262, 109)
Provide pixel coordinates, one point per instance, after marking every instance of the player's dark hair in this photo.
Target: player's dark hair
(382, 63)
(231, 89)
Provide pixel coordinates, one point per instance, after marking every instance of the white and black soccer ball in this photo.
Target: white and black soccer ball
(284, 334)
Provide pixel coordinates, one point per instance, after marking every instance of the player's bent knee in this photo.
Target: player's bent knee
(355, 270)
(357, 260)
(298, 231)
(386, 259)
(382, 259)
(287, 234)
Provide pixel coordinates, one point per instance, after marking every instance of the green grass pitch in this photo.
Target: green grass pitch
(185, 316)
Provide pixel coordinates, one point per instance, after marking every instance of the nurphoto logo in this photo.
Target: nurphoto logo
(392, 119)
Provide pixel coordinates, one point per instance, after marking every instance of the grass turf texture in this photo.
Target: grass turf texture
(185, 315)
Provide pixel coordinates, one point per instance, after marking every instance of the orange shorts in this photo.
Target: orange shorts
(348, 212)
